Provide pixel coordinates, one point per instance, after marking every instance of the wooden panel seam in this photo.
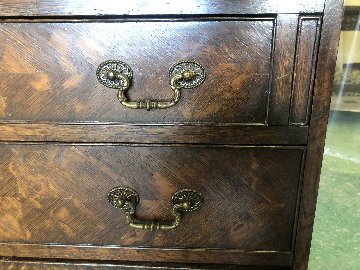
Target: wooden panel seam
(153, 18)
(153, 134)
(304, 70)
(87, 252)
(296, 211)
(282, 69)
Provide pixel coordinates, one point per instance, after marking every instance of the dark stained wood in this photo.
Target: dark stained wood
(16, 265)
(86, 252)
(147, 7)
(282, 70)
(57, 194)
(320, 110)
(48, 70)
(250, 138)
(307, 43)
(36, 265)
(254, 135)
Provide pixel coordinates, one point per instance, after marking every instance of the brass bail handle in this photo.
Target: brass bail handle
(117, 74)
(126, 198)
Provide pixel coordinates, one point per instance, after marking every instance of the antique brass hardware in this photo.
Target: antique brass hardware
(117, 74)
(126, 199)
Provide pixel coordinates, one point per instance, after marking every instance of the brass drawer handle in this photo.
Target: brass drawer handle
(118, 74)
(126, 199)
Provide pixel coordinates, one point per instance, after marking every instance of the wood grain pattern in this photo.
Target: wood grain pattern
(48, 70)
(105, 253)
(28, 265)
(282, 70)
(252, 135)
(153, 255)
(240, 138)
(320, 111)
(306, 54)
(57, 194)
(14, 265)
(147, 7)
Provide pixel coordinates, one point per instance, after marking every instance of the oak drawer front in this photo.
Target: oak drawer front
(48, 70)
(58, 194)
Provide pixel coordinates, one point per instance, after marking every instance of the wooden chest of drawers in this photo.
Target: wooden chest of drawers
(167, 135)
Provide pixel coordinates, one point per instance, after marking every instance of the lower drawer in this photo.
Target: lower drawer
(24, 265)
(54, 202)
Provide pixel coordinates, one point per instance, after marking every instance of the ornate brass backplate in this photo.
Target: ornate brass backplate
(114, 74)
(192, 74)
(191, 198)
(118, 197)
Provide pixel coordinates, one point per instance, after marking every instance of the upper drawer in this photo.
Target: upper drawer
(48, 70)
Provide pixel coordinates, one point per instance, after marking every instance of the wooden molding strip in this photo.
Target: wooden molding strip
(162, 7)
(96, 133)
(116, 253)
